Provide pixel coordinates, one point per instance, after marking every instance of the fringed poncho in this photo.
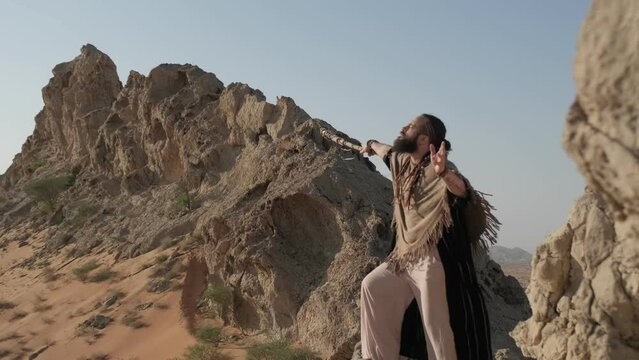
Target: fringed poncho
(422, 219)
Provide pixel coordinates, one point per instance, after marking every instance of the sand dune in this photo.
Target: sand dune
(53, 310)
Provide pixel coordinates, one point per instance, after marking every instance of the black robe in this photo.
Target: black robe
(466, 306)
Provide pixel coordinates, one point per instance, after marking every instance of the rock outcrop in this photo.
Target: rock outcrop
(273, 210)
(77, 101)
(506, 303)
(584, 289)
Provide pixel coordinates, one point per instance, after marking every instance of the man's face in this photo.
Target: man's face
(408, 136)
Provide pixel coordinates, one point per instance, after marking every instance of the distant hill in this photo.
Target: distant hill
(503, 255)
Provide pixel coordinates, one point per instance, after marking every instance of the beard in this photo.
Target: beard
(405, 144)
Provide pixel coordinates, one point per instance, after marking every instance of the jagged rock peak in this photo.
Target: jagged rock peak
(77, 101)
(172, 124)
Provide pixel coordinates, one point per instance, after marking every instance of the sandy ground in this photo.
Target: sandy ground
(46, 314)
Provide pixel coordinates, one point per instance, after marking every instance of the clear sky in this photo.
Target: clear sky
(498, 73)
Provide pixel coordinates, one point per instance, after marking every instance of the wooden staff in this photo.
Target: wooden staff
(339, 140)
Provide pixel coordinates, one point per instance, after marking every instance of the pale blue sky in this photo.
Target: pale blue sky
(497, 72)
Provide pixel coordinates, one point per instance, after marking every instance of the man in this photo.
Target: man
(437, 217)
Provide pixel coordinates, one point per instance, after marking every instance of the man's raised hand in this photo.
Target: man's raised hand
(439, 158)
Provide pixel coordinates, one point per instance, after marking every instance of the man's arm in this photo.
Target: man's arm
(439, 159)
(374, 147)
(454, 183)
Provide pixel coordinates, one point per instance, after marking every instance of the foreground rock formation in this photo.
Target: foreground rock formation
(271, 208)
(584, 288)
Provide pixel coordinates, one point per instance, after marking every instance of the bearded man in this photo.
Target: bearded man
(424, 301)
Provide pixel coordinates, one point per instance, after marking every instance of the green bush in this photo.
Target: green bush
(145, 266)
(96, 322)
(4, 305)
(158, 286)
(82, 272)
(77, 251)
(203, 352)
(161, 258)
(133, 320)
(167, 268)
(46, 190)
(219, 294)
(49, 274)
(112, 296)
(18, 315)
(102, 275)
(215, 301)
(278, 350)
(35, 164)
(82, 214)
(183, 198)
(59, 241)
(208, 335)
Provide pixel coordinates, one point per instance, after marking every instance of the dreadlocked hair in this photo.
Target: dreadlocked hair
(409, 176)
(407, 179)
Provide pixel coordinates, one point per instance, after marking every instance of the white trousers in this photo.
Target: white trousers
(384, 299)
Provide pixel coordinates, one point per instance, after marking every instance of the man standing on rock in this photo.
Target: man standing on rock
(438, 218)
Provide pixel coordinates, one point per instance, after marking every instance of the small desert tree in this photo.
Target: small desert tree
(184, 199)
(46, 190)
(35, 164)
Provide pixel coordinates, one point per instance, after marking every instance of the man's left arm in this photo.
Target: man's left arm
(455, 184)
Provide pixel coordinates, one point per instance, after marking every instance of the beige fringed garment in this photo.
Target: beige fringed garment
(422, 215)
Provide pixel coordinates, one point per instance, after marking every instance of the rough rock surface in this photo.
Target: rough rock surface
(77, 101)
(506, 303)
(584, 289)
(275, 212)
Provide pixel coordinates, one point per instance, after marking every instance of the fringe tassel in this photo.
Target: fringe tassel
(486, 233)
(481, 224)
(397, 263)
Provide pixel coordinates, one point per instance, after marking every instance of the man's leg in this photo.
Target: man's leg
(384, 298)
(427, 278)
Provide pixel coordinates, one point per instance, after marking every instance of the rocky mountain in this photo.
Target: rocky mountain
(514, 262)
(249, 191)
(503, 255)
(584, 289)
